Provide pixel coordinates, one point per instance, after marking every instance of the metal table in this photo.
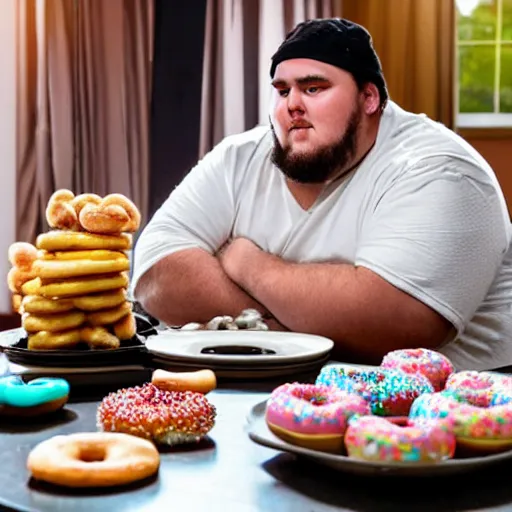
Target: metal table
(228, 472)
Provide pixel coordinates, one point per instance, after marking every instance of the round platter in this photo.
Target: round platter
(261, 434)
(237, 348)
(14, 345)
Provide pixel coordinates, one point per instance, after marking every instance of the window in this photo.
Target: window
(484, 63)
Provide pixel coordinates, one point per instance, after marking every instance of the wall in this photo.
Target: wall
(7, 141)
(498, 152)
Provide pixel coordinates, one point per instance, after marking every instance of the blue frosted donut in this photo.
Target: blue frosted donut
(388, 392)
(42, 394)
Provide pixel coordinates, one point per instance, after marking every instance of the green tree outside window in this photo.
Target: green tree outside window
(484, 56)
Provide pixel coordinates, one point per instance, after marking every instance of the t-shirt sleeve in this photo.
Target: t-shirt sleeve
(440, 235)
(198, 213)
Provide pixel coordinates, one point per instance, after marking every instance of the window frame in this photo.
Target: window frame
(495, 122)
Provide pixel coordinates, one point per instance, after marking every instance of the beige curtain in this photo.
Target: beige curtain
(240, 38)
(84, 71)
(415, 42)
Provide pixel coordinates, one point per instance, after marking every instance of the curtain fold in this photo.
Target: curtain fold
(27, 198)
(415, 40)
(240, 38)
(84, 82)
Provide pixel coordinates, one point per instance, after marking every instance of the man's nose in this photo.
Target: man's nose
(295, 103)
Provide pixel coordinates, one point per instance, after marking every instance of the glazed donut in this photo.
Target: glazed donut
(16, 302)
(72, 240)
(434, 366)
(37, 305)
(104, 219)
(99, 338)
(62, 269)
(93, 459)
(312, 416)
(478, 388)
(201, 381)
(31, 287)
(377, 439)
(39, 396)
(75, 287)
(60, 213)
(109, 316)
(388, 392)
(53, 323)
(476, 428)
(114, 214)
(126, 328)
(46, 340)
(97, 301)
(18, 277)
(92, 254)
(81, 200)
(165, 417)
(22, 255)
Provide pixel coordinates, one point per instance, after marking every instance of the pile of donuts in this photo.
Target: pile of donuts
(70, 287)
(413, 408)
(133, 424)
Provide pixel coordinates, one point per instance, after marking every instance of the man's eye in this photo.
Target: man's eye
(312, 90)
(283, 92)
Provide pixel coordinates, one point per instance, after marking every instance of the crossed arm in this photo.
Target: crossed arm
(446, 237)
(364, 314)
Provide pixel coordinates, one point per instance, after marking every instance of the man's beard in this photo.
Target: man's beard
(318, 166)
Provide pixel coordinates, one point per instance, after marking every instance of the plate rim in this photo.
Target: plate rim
(329, 345)
(256, 414)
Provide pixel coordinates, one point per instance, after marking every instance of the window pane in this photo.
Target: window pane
(476, 78)
(506, 79)
(507, 20)
(478, 24)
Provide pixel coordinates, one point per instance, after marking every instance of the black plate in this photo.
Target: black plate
(14, 345)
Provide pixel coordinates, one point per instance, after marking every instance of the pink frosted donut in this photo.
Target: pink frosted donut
(477, 428)
(479, 388)
(433, 365)
(312, 416)
(378, 439)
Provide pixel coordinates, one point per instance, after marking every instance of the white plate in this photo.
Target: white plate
(287, 347)
(291, 371)
(260, 433)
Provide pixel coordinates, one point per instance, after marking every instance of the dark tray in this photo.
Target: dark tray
(14, 345)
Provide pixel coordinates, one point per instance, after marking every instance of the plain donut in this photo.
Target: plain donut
(93, 459)
(201, 381)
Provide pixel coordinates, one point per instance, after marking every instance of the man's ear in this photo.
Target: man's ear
(371, 98)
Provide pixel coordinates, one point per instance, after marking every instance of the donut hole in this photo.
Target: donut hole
(311, 395)
(317, 401)
(92, 454)
(399, 421)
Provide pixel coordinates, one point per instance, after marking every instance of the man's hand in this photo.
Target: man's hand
(238, 258)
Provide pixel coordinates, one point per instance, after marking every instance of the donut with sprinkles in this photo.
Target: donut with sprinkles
(388, 392)
(378, 439)
(434, 366)
(484, 429)
(481, 388)
(312, 416)
(164, 417)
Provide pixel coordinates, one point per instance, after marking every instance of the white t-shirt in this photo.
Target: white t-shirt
(424, 211)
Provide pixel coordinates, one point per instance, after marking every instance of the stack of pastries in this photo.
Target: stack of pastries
(70, 287)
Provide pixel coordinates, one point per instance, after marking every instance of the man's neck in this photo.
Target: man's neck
(365, 143)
